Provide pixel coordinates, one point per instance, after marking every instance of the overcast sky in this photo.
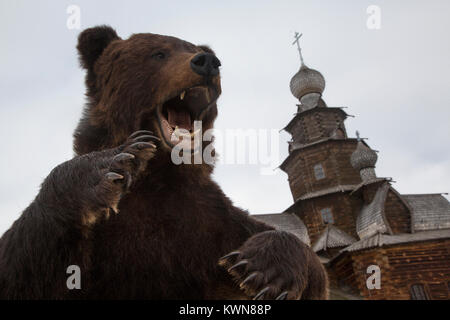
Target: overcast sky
(394, 80)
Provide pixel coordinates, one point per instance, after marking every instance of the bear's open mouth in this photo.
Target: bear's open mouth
(177, 115)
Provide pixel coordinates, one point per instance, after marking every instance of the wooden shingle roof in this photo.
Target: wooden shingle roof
(429, 211)
(379, 240)
(371, 219)
(332, 237)
(287, 222)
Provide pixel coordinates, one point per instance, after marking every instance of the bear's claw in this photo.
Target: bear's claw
(282, 296)
(234, 253)
(123, 167)
(142, 145)
(261, 293)
(140, 132)
(263, 268)
(123, 157)
(240, 263)
(113, 176)
(248, 279)
(146, 138)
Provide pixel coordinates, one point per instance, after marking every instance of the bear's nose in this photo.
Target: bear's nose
(205, 64)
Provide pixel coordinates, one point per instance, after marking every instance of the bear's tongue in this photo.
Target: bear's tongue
(179, 118)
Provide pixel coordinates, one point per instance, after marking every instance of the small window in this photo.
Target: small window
(318, 172)
(418, 292)
(327, 216)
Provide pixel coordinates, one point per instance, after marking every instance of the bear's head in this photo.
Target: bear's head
(146, 82)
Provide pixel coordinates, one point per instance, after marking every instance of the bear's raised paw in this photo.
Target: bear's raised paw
(273, 265)
(124, 166)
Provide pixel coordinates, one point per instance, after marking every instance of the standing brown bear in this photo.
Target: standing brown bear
(136, 224)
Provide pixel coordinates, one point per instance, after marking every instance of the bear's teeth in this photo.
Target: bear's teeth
(180, 133)
(169, 128)
(184, 134)
(173, 134)
(182, 95)
(195, 132)
(176, 132)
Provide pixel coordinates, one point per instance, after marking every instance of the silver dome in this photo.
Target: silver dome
(306, 81)
(363, 157)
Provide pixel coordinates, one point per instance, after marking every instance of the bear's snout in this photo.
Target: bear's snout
(205, 64)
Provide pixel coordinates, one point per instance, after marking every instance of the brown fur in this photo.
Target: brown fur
(174, 222)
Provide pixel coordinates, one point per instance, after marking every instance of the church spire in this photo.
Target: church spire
(297, 37)
(364, 160)
(307, 84)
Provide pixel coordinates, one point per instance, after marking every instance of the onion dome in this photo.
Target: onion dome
(306, 81)
(363, 157)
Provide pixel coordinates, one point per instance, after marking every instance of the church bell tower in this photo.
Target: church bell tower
(320, 173)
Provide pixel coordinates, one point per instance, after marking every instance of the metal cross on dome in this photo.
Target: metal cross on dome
(297, 37)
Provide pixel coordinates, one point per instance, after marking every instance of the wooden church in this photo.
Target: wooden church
(353, 219)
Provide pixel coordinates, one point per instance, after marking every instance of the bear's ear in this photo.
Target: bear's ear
(92, 42)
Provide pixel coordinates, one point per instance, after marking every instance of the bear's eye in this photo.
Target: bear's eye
(159, 55)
